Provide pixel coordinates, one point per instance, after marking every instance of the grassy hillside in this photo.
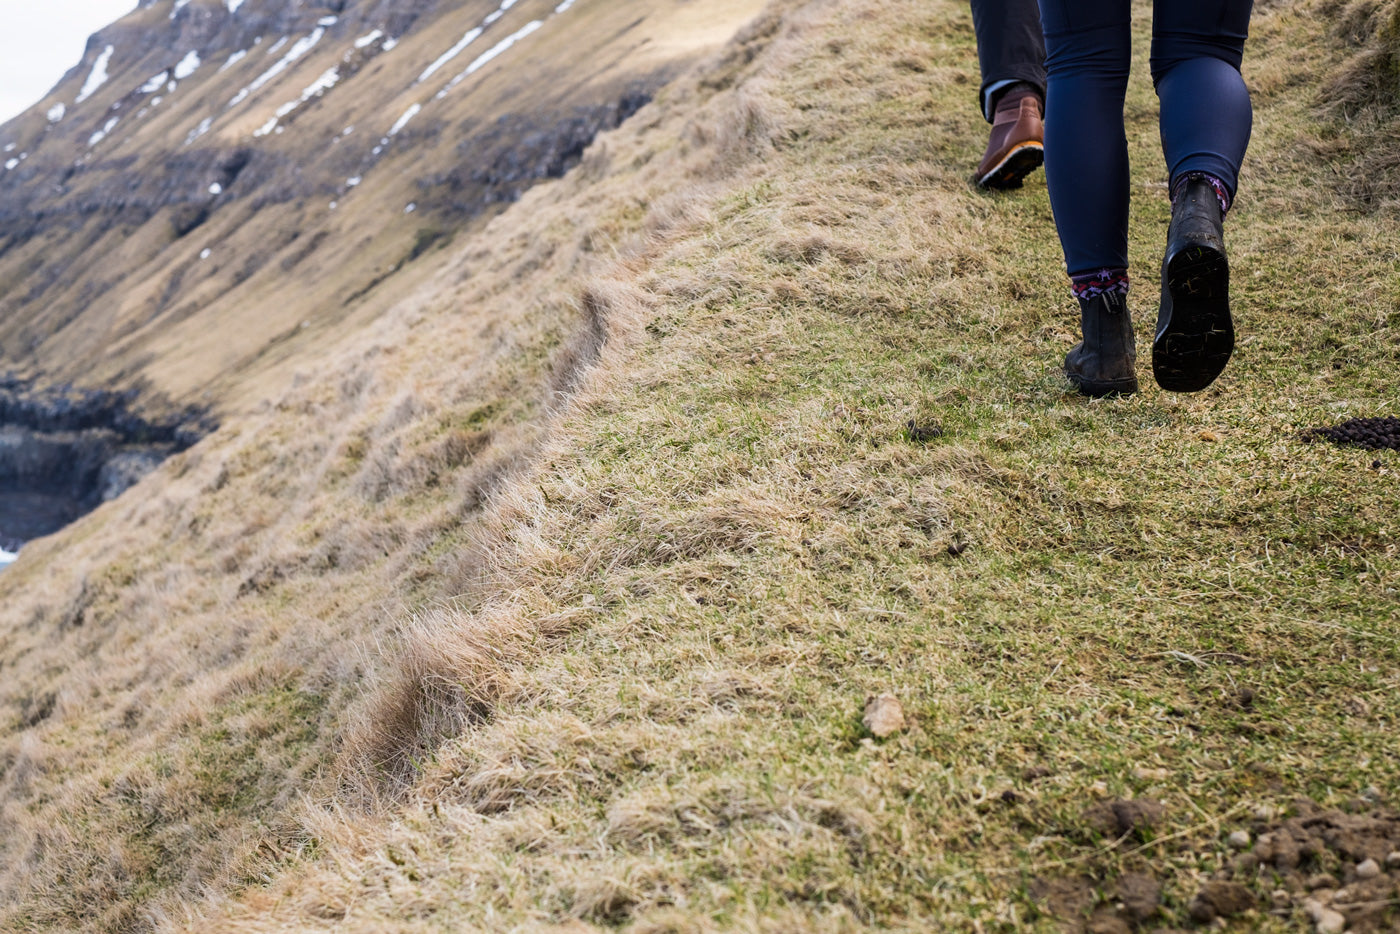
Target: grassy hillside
(763, 419)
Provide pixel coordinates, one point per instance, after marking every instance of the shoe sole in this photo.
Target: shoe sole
(1097, 389)
(1021, 161)
(1195, 342)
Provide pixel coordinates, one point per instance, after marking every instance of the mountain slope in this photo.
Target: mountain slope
(181, 666)
(211, 188)
(552, 598)
(1120, 631)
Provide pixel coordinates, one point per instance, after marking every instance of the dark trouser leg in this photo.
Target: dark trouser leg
(1086, 151)
(1206, 117)
(1010, 46)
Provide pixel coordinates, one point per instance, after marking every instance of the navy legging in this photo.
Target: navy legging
(1197, 46)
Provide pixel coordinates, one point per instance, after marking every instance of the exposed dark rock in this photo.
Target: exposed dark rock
(64, 452)
(500, 162)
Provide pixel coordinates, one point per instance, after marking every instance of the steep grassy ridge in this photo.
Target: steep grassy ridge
(827, 454)
(584, 562)
(191, 237)
(180, 667)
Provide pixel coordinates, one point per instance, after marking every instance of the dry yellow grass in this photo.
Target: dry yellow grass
(607, 669)
(184, 664)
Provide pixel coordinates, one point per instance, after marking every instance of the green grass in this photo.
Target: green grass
(731, 539)
(1164, 597)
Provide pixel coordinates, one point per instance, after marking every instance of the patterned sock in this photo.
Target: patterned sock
(1093, 284)
(1222, 194)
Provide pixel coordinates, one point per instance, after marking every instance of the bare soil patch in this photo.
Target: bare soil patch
(1318, 868)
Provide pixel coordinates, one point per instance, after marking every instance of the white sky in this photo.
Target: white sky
(41, 40)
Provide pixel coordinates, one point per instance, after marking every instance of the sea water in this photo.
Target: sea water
(25, 516)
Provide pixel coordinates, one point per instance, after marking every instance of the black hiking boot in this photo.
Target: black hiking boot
(1103, 363)
(1195, 335)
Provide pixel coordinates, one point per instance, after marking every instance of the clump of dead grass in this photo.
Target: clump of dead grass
(1364, 91)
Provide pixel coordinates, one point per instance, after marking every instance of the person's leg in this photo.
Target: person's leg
(1011, 51)
(1010, 48)
(1088, 46)
(1206, 116)
(1206, 120)
(1088, 53)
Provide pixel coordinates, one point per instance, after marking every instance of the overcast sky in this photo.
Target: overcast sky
(41, 40)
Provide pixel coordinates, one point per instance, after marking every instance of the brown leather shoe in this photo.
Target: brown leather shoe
(1017, 144)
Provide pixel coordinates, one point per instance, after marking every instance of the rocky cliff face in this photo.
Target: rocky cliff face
(152, 203)
(221, 185)
(65, 451)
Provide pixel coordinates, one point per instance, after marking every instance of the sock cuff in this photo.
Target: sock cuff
(1101, 282)
(1222, 192)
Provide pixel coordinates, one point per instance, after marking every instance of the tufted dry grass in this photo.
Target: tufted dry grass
(622, 687)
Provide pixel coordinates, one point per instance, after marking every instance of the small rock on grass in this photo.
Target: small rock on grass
(1368, 869)
(1393, 860)
(1322, 880)
(1239, 840)
(1326, 920)
(884, 715)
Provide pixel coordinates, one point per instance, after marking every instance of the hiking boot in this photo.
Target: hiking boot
(1104, 362)
(1017, 143)
(1195, 335)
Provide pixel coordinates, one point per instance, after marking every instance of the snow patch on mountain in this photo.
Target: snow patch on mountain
(197, 132)
(322, 84)
(103, 133)
(97, 77)
(233, 59)
(471, 36)
(505, 5)
(402, 122)
(302, 46)
(188, 66)
(56, 112)
(485, 57)
(155, 84)
(451, 53)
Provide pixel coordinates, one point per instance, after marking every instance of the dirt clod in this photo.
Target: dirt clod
(1340, 860)
(884, 715)
(1118, 817)
(923, 434)
(1220, 900)
(1140, 894)
(1123, 904)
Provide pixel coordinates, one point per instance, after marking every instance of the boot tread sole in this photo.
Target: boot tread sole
(1195, 342)
(1020, 161)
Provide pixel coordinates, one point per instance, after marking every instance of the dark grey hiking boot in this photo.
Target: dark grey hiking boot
(1195, 335)
(1104, 362)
